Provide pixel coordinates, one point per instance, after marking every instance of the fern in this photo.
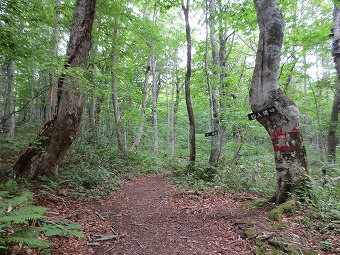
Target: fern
(24, 214)
(16, 213)
(32, 242)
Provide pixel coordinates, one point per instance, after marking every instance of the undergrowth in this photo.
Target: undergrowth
(22, 223)
(250, 174)
(94, 171)
(18, 216)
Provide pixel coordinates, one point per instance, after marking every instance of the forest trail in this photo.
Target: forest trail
(150, 217)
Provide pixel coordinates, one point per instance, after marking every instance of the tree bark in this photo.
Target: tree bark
(143, 102)
(192, 137)
(8, 119)
(154, 106)
(142, 106)
(92, 103)
(332, 138)
(119, 133)
(54, 57)
(2, 90)
(49, 148)
(283, 127)
(213, 87)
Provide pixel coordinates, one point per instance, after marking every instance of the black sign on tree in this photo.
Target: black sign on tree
(212, 133)
(264, 113)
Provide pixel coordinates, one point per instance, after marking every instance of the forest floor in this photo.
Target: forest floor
(149, 216)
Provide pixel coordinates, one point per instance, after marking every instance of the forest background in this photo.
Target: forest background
(135, 118)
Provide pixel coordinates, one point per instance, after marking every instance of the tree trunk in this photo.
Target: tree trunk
(2, 90)
(167, 69)
(92, 102)
(139, 133)
(8, 119)
(154, 107)
(283, 127)
(54, 57)
(43, 157)
(332, 137)
(175, 94)
(143, 106)
(213, 87)
(117, 114)
(192, 137)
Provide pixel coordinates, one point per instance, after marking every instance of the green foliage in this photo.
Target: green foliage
(17, 217)
(21, 222)
(61, 227)
(326, 245)
(98, 171)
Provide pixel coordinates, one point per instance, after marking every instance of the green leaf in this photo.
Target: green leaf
(73, 226)
(76, 233)
(54, 232)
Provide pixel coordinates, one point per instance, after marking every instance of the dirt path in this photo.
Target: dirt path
(151, 217)
(148, 216)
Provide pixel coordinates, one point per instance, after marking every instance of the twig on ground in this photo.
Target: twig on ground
(234, 241)
(100, 217)
(106, 252)
(93, 244)
(137, 242)
(53, 213)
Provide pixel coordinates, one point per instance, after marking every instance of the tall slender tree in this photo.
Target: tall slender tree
(192, 135)
(142, 106)
(119, 132)
(8, 118)
(55, 137)
(283, 127)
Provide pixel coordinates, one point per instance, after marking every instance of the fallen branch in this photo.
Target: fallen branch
(106, 238)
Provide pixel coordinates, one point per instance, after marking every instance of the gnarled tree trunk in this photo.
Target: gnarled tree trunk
(283, 127)
(43, 157)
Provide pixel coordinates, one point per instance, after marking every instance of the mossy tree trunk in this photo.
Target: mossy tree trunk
(283, 127)
(53, 140)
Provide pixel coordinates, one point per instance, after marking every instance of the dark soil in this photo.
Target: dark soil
(149, 216)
